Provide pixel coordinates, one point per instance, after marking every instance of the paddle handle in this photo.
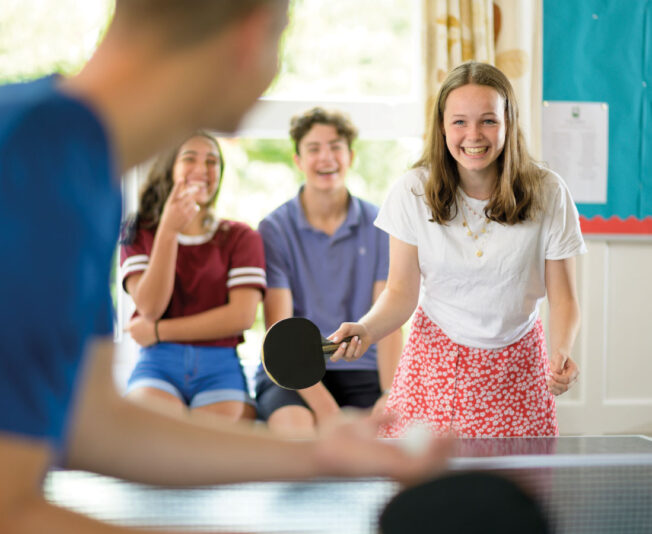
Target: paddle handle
(328, 347)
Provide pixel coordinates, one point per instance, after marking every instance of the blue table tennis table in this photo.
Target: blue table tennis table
(585, 484)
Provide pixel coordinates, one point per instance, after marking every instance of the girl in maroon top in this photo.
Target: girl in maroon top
(196, 282)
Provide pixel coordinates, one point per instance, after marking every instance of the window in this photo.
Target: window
(361, 57)
(38, 37)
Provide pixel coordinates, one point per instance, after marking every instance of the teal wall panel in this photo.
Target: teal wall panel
(601, 51)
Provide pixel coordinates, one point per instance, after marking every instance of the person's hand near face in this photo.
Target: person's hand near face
(180, 208)
(196, 175)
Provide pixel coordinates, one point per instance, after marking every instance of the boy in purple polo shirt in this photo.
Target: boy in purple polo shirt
(328, 262)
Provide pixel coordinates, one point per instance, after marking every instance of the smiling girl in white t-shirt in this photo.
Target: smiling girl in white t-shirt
(479, 235)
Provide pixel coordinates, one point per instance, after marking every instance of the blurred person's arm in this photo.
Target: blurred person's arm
(115, 437)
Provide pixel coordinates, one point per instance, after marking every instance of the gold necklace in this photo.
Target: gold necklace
(477, 237)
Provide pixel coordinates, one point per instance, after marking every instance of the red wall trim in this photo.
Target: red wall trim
(616, 225)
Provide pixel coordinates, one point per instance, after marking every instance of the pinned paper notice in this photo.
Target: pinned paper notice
(575, 145)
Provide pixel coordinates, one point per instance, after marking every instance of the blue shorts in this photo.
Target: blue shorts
(196, 375)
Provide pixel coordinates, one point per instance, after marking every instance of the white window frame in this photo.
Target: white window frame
(375, 117)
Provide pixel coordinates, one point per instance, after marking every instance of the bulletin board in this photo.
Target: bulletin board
(601, 51)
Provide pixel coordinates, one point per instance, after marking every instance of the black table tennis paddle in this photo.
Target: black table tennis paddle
(465, 503)
(295, 353)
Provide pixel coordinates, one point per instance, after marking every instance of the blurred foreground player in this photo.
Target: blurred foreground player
(162, 71)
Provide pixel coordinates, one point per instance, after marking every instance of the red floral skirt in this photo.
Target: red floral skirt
(470, 391)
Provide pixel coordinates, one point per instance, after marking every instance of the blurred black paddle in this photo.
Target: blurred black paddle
(464, 503)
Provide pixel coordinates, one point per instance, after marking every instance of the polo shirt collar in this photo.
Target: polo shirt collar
(352, 217)
(302, 222)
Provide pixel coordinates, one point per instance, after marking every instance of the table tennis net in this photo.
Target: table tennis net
(584, 485)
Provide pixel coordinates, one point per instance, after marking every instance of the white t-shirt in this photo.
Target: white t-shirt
(489, 300)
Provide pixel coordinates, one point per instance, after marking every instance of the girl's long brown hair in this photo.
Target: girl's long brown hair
(157, 187)
(517, 194)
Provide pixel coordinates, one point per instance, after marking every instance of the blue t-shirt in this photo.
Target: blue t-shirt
(331, 277)
(59, 219)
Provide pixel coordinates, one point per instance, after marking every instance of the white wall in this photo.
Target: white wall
(614, 347)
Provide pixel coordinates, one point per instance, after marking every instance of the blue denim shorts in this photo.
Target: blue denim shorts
(196, 375)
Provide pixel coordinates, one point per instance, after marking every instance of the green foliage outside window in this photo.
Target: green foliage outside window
(260, 173)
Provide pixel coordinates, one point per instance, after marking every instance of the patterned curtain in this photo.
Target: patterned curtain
(504, 33)
(519, 54)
